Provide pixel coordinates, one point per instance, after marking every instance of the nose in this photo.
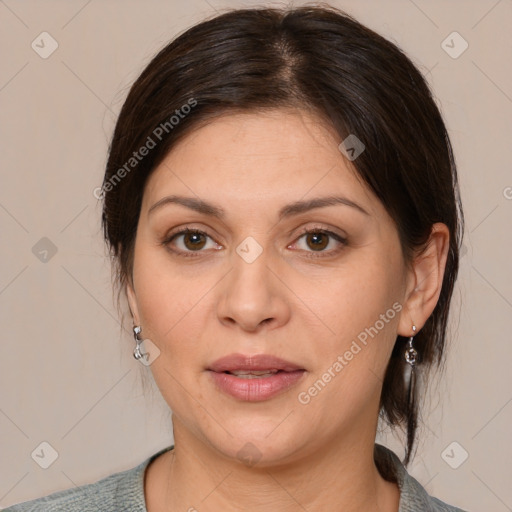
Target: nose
(252, 295)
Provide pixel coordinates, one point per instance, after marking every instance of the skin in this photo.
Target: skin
(316, 456)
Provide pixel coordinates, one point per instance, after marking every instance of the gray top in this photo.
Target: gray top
(124, 491)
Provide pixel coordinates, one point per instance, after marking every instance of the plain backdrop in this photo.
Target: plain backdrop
(67, 373)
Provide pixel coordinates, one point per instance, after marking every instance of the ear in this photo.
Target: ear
(425, 280)
(132, 301)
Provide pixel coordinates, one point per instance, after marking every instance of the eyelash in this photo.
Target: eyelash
(311, 254)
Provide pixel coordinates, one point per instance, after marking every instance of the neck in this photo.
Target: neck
(340, 475)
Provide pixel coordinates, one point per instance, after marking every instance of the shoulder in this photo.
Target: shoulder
(102, 495)
(413, 497)
(123, 490)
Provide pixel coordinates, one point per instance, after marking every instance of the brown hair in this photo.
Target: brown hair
(322, 60)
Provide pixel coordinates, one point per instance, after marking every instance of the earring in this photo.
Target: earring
(137, 353)
(411, 354)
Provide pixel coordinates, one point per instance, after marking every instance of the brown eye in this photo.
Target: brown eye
(317, 241)
(314, 242)
(189, 242)
(193, 240)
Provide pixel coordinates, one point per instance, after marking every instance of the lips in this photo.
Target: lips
(253, 374)
(254, 378)
(252, 364)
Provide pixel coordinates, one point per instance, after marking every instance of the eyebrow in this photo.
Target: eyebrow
(289, 210)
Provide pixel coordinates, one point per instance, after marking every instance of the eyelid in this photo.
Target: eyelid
(319, 229)
(168, 238)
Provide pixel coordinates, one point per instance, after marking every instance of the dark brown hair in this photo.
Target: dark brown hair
(322, 60)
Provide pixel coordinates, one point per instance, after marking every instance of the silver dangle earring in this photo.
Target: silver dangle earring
(411, 354)
(411, 357)
(137, 353)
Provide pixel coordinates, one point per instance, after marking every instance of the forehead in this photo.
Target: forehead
(269, 134)
(257, 156)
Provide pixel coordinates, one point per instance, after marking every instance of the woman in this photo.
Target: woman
(282, 208)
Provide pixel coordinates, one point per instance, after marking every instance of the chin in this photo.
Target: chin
(260, 445)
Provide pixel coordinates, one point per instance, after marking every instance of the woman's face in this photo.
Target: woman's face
(328, 303)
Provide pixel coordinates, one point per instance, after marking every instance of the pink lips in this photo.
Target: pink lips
(284, 375)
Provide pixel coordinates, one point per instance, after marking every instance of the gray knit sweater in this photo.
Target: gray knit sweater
(124, 491)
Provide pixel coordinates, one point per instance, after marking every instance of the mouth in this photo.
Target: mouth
(254, 378)
(259, 364)
(244, 374)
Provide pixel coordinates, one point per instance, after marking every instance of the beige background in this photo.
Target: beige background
(67, 374)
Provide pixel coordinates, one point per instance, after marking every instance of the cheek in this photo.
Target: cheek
(351, 297)
(166, 298)
(361, 306)
(169, 303)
